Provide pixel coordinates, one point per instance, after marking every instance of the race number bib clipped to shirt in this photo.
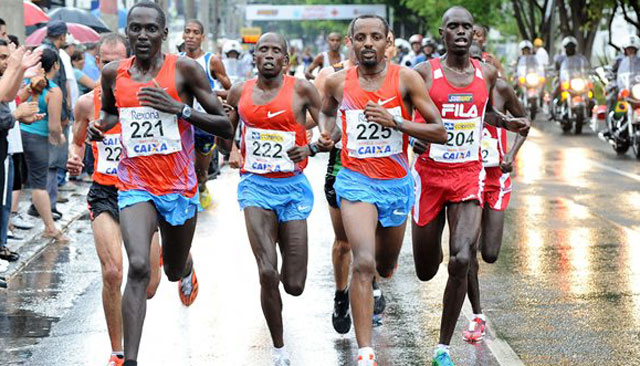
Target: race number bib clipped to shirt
(109, 151)
(463, 142)
(266, 150)
(489, 151)
(369, 139)
(147, 131)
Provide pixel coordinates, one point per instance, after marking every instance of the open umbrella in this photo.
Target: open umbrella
(79, 16)
(81, 33)
(33, 14)
(122, 16)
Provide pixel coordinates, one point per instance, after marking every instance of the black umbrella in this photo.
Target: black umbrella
(74, 15)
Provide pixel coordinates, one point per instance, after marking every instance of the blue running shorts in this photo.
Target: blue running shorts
(392, 197)
(204, 141)
(174, 208)
(291, 198)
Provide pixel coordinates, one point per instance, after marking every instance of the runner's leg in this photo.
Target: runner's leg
(464, 223)
(154, 261)
(138, 223)
(427, 247)
(202, 168)
(360, 223)
(262, 228)
(340, 252)
(388, 246)
(176, 246)
(106, 233)
(294, 250)
(492, 230)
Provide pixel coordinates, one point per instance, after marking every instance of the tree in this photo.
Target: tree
(630, 7)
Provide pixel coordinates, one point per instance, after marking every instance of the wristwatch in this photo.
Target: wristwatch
(186, 112)
(399, 121)
(313, 149)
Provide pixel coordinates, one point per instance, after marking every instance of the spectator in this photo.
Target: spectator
(85, 84)
(36, 138)
(3, 29)
(13, 39)
(12, 68)
(541, 54)
(90, 65)
(56, 38)
(307, 58)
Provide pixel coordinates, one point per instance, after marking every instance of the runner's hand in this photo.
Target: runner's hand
(235, 158)
(325, 142)
(158, 98)
(94, 131)
(298, 153)
(507, 163)
(419, 147)
(378, 114)
(74, 165)
(228, 109)
(519, 125)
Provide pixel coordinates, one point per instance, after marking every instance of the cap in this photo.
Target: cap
(538, 42)
(56, 28)
(569, 40)
(525, 44)
(71, 40)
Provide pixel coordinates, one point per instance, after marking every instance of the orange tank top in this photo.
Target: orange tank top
(106, 153)
(269, 131)
(158, 148)
(367, 147)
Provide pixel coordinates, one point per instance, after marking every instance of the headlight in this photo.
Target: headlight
(532, 79)
(578, 85)
(635, 92)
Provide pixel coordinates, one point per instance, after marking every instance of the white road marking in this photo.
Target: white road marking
(635, 177)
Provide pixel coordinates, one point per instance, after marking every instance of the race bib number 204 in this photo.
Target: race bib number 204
(463, 142)
(147, 131)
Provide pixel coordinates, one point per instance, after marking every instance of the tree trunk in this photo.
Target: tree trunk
(520, 19)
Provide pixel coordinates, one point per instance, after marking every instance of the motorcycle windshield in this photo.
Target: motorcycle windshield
(628, 73)
(529, 65)
(574, 67)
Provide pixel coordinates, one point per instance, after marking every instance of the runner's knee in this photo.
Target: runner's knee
(139, 268)
(426, 272)
(269, 277)
(489, 255)
(364, 265)
(459, 264)
(293, 287)
(112, 276)
(173, 273)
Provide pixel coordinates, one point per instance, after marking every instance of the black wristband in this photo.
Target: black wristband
(313, 149)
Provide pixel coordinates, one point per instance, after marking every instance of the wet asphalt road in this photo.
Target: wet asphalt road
(565, 291)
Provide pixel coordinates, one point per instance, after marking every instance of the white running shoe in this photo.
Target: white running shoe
(367, 358)
(20, 222)
(280, 360)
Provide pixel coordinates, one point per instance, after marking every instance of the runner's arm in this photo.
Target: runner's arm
(217, 68)
(82, 116)
(319, 83)
(495, 118)
(317, 61)
(109, 116)
(328, 112)
(432, 130)
(231, 109)
(516, 109)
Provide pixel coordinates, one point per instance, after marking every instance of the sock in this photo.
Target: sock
(280, 352)
(481, 316)
(441, 347)
(365, 352)
(130, 363)
(118, 354)
(342, 295)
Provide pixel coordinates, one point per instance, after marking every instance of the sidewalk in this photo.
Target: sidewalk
(32, 243)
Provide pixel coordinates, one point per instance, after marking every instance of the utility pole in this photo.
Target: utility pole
(215, 24)
(206, 21)
(109, 13)
(190, 9)
(15, 22)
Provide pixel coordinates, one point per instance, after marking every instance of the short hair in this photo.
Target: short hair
(2, 22)
(77, 55)
(150, 5)
(456, 7)
(3, 42)
(48, 59)
(113, 38)
(196, 22)
(484, 28)
(283, 40)
(352, 25)
(14, 39)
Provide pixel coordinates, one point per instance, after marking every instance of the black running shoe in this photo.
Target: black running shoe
(379, 303)
(340, 317)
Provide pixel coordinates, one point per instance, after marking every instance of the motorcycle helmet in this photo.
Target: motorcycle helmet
(428, 42)
(525, 44)
(632, 42)
(416, 38)
(569, 40)
(538, 42)
(230, 46)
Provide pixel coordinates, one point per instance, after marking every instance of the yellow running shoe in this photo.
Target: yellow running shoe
(205, 198)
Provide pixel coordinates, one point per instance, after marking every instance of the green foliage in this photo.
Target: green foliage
(489, 12)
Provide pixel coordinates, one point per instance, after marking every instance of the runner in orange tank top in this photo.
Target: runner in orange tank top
(102, 198)
(150, 95)
(274, 193)
(374, 190)
(450, 176)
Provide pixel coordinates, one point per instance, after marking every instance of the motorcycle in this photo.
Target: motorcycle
(624, 121)
(531, 79)
(576, 94)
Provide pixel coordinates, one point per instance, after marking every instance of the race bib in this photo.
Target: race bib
(147, 131)
(369, 139)
(266, 150)
(463, 141)
(109, 151)
(489, 151)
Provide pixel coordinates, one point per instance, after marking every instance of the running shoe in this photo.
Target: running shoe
(442, 358)
(367, 361)
(20, 222)
(340, 318)
(379, 304)
(476, 331)
(115, 361)
(188, 288)
(280, 360)
(205, 198)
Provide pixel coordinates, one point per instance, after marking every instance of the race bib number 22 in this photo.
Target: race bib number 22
(147, 131)
(109, 152)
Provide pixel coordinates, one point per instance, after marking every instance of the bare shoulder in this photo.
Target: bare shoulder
(303, 86)
(186, 65)
(489, 71)
(322, 75)
(335, 80)
(85, 102)
(110, 71)
(502, 86)
(407, 75)
(235, 93)
(215, 60)
(424, 69)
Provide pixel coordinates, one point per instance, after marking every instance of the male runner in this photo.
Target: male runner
(150, 94)
(480, 33)
(341, 251)
(275, 195)
(496, 195)
(374, 189)
(103, 198)
(451, 175)
(193, 36)
(327, 58)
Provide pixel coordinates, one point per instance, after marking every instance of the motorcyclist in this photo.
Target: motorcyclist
(570, 45)
(630, 48)
(428, 51)
(232, 51)
(416, 50)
